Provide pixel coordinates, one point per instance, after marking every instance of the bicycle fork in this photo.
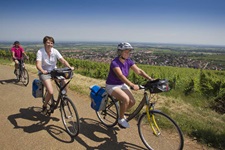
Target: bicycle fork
(152, 122)
(68, 113)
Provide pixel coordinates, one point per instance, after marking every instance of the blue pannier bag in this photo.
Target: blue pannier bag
(37, 88)
(98, 97)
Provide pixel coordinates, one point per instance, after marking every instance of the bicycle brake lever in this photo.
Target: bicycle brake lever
(141, 87)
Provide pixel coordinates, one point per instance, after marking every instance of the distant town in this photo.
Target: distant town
(189, 56)
(198, 58)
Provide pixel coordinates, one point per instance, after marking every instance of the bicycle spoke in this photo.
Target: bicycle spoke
(110, 112)
(25, 77)
(168, 137)
(70, 117)
(109, 115)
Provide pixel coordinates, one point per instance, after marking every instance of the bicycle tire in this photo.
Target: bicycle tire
(25, 77)
(109, 116)
(170, 136)
(70, 117)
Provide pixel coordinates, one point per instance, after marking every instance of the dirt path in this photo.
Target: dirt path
(22, 126)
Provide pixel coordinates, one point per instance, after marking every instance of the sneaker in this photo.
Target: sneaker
(124, 117)
(44, 110)
(123, 123)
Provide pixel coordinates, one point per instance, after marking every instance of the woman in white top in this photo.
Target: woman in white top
(45, 62)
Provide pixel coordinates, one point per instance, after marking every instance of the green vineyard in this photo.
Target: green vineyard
(201, 89)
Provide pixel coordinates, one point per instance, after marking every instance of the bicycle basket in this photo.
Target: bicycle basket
(157, 86)
(65, 72)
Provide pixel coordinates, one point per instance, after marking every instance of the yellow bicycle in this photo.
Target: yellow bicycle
(157, 130)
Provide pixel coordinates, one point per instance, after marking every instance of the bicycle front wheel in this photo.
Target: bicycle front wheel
(109, 116)
(167, 136)
(25, 77)
(70, 117)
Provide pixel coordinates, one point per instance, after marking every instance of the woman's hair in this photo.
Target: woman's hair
(16, 42)
(46, 38)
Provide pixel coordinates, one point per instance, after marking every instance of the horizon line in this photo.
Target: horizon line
(109, 42)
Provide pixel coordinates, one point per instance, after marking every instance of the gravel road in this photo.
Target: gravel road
(23, 127)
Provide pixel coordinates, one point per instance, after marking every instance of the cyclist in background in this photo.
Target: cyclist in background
(45, 62)
(117, 83)
(17, 54)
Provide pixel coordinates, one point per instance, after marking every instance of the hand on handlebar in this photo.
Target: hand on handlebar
(45, 72)
(135, 87)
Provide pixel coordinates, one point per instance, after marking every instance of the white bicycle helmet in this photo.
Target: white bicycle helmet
(124, 46)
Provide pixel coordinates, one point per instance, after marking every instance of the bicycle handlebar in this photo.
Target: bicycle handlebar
(59, 72)
(155, 86)
(140, 87)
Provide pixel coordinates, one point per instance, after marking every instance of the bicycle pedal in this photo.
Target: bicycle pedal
(51, 109)
(68, 117)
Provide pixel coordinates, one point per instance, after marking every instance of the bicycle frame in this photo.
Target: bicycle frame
(21, 68)
(149, 106)
(145, 101)
(61, 88)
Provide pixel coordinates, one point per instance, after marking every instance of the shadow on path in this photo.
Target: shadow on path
(11, 81)
(106, 137)
(38, 122)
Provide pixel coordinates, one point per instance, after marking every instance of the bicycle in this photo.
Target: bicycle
(22, 73)
(68, 110)
(156, 129)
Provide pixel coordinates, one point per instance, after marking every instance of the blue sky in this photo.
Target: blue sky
(154, 21)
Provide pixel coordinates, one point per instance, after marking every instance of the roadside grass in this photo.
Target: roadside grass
(5, 61)
(195, 119)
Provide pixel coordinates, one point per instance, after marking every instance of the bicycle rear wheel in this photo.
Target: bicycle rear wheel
(168, 138)
(25, 77)
(70, 117)
(109, 116)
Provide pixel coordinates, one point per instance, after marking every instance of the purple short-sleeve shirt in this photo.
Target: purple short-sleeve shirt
(112, 78)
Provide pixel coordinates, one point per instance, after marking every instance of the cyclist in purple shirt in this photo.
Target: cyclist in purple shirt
(117, 83)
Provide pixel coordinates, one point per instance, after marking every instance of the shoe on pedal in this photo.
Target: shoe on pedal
(123, 123)
(44, 110)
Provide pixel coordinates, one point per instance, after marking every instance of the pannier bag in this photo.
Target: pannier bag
(98, 97)
(37, 88)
